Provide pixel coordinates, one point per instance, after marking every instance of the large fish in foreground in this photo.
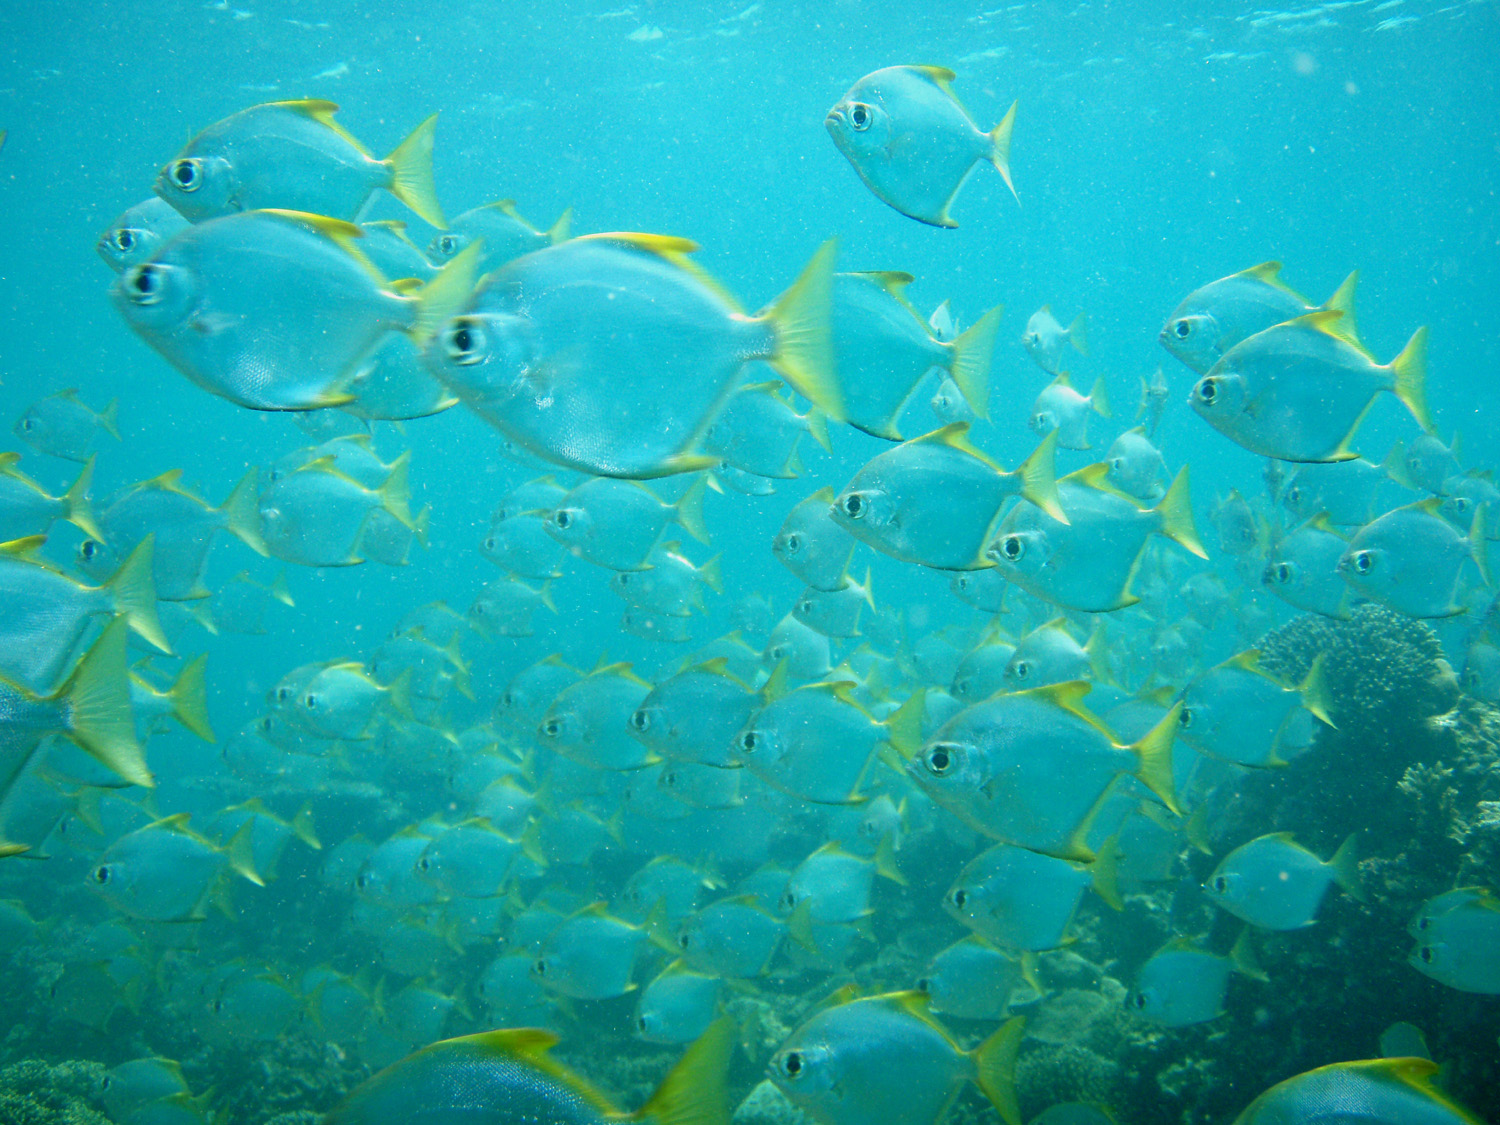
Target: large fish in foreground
(506, 1078)
(911, 141)
(612, 353)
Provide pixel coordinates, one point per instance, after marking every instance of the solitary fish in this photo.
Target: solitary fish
(911, 141)
(294, 155)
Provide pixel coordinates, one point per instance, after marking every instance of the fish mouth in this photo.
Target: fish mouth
(833, 119)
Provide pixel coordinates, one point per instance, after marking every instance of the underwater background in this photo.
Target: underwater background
(1154, 150)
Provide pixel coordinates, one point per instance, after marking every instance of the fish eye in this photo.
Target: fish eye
(464, 341)
(1221, 884)
(805, 607)
(748, 742)
(641, 720)
(312, 701)
(791, 1064)
(1117, 465)
(489, 543)
(143, 284)
(1182, 329)
(1013, 547)
(362, 880)
(424, 864)
(1364, 562)
(1138, 1001)
(788, 901)
(684, 940)
(622, 578)
(447, 245)
(1283, 573)
(959, 897)
(1294, 495)
(88, 549)
(640, 1023)
(940, 760)
(924, 985)
(1022, 669)
(540, 968)
(1185, 718)
(860, 116)
(792, 544)
(186, 175)
(1460, 504)
(1028, 339)
(1424, 922)
(854, 506)
(563, 519)
(28, 424)
(552, 728)
(1426, 954)
(102, 874)
(1207, 391)
(123, 240)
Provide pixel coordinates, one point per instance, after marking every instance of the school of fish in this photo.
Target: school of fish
(782, 798)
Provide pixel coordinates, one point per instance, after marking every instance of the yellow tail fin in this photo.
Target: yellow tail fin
(242, 511)
(1155, 754)
(135, 593)
(411, 174)
(1176, 510)
(995, 1066)
(1039, 478)
(688, 511)
(80, 514)
(1410, 370)
(694, 1092)
(802, 321)
(971, 354)
(189, 698)
(1000, 147)
(97, 695)
(1078, 334)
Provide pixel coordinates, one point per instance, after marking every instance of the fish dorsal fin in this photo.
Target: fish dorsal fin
(333, 228)
(667, 245)
(1247, 661)
(1330, 322)
(322, 112)
(1068, 695)
(893, 282)
(776, 684)
(955, 435)
(1268, 273)
(825, 494)
(1320, 522)
(504, 206)
(1343, 301)
(939, 74)
(1062, 380)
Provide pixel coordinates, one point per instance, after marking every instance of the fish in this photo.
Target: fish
(62, 425)
(884, 1058)
(1136, 467)
(981, 672)
(1183, 984)
(138, 233)
(48, 612)
(1298, 391)
(615, 523)
(388, 875)
(817, 743)
(166, 872)
(1481, 671)
(27, 509)
(506, 236)
(1153, 404)
(1457, 941)
(732, 937)
(392, 252)
(1030, 767)
(1412, 559)
(1428, 463)
(139, 1082)
(590, 956)
(836, 884)
(319, 516)
(757, 431)
(804, 650)
(835, 614)
(566, 351)
(1274, 883)
(1089, 562)
(1350, 492)
(702, 787)
(1024, 901)
(276, 310)
(931, 500)
(982, 589)
(677, 1006)
(393, 384)
(814, 546)
(529, 693)
(510, 1076)
(1238, 712)
(669, 583)
(1061, 409)
(589, 721)
(1050, 655)
(694, 716)
(971, 979)
(1464, 494)
(91, 709)
(269, 833)
(1045, 338)
(1215, 317)
(668, 881)
(1302, 569)
(1238, 527)
(183, 525)
(1383, 1090)
(912, 143)
(883, 349)
(293, 155)
(504, 607)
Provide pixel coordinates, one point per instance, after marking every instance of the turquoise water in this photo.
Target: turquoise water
(1152, 153)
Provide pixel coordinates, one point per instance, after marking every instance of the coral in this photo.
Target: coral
(1066, 1072)
(766, 1105)
(33, 1093)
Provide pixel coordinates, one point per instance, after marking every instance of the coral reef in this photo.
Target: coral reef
(33, 1093)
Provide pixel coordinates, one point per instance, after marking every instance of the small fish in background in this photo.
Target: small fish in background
(757, 431)
(512, 1069)
(1413, 560)
(670, 584)
(1062, 409)
(293, 155)
(1237, 525)
(506, 236)
(1153, 404)
(319, 516)
(1183, 984)
(61, 425)
(1299, 390)
(138, 233)
(165, 872)
(240, 306)
(1393, 1090)
(848, 1063)
(617, 523)
(504, 607)
(1136, 466)
(1350, 492)
(1428, 463)
(813, 545)
(678, 1005)
(1238, 712)
(971, 979)
(912, 143)
(1025, 901)
(1302, 569)
(1215, 317)
(1045, 338)
(1274, 883)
